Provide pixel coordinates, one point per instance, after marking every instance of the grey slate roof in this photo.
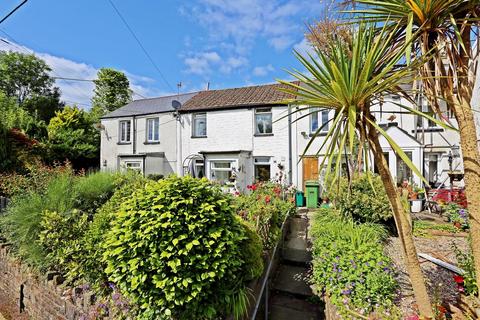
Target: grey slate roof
(149, 106)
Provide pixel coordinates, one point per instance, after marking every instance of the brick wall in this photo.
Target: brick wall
(42, 297)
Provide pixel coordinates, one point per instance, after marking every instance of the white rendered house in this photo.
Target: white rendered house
(250, 134)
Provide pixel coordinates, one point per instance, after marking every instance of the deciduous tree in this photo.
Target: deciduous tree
(112, 91)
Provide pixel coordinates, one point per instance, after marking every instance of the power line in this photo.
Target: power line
(57, 77)
(141, 46)
(91, 80)
(11, 12)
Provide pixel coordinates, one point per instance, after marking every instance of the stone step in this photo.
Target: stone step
(296, 256)
(291, 308)
(297, 243)
(293, 280)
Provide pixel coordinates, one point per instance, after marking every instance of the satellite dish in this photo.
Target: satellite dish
(176, 104)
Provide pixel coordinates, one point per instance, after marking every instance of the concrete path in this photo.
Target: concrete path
(291, 296)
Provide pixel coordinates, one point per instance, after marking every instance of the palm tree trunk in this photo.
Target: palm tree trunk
(404, 227)
(471, 166)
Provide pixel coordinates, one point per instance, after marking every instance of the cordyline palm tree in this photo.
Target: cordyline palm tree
(447, 28)
(350, 78)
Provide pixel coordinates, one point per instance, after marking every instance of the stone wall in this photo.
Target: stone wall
(41, 297)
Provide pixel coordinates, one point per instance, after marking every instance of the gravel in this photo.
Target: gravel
(440, 282)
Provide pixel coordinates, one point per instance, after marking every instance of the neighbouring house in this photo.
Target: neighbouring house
(142, 136)
(250, 134)
(240, 132)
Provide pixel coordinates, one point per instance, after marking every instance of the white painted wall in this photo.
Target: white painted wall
(112, 151)
(233, 130)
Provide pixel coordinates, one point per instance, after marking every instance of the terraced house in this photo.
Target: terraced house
(249, 134)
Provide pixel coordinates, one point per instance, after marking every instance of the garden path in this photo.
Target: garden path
(291, 297)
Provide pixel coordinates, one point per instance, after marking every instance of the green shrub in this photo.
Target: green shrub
(91, 265)
(251, 250)
(47, 226)
(265, 208)
(35, 178)
(21, 224)
(174, 250)
(349, 264)
(61, 238)
(93, 190)
(361, 202)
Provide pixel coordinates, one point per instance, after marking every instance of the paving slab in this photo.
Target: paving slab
(293, 280)
(285, 313)
(297, 243)
(296, 256)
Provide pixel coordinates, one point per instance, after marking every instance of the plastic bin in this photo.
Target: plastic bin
(312, 188)
(299, 199)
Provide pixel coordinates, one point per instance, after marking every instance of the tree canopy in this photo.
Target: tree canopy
(24, 76)
(112, 91)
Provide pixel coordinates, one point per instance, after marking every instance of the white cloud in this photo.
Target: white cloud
(80, 92)
(304, 47)
(203, 63)
(261, 71)
(242, 22)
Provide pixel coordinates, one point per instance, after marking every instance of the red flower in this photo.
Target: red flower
(267, 199)
(252, 187)
(458, 279)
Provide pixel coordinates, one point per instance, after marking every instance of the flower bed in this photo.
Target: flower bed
(350, 267)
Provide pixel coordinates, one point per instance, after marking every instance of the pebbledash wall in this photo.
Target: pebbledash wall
(41, 297)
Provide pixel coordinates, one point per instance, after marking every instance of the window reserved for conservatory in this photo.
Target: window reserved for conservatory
(199, 125)
(125, 128)
(133, 165)
(153, 126)
(262, 168)
(221, 171)
(318, 119)
(263, 120)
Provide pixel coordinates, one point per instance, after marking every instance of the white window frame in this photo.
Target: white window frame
(262, 161)
(263, 111)
(214, 169)
(155, 129)
(319, 114)
(194, 124)
(125, 137)
(128, 165)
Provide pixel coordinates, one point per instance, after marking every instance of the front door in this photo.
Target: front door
(310, 169)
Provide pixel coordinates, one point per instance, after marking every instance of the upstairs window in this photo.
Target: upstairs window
(318, 119)
(199, 121)
(263, 121)
(125, 131)
(153, 126)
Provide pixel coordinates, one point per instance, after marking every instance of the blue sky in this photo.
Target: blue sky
(227, 43)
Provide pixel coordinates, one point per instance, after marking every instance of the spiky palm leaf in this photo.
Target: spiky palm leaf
(349, 80)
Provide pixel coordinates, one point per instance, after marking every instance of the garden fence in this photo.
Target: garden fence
(3, 203)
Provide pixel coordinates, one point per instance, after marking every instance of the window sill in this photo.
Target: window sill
(198, 137)
(431, 129)
(263, 135)
(123, 143)
(320, 134)
(151, 142)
